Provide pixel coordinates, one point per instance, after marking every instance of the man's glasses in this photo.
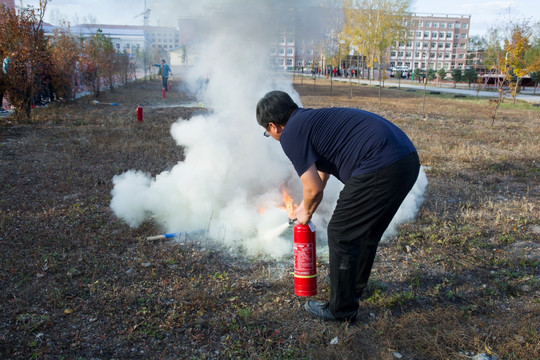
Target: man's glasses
(266, 134)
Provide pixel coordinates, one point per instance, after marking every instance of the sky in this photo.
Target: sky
(484, 13)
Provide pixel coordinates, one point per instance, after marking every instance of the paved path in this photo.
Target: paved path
(524, 95)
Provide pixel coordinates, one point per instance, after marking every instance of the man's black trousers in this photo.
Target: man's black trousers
(365, 207)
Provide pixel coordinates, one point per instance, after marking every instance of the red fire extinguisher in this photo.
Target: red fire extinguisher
(163, 92)
(305, 260)
(139, 114)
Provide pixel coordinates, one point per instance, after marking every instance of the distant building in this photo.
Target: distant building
(131, 38)
(434, 41)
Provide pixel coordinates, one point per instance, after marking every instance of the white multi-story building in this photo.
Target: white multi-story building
(434, 41)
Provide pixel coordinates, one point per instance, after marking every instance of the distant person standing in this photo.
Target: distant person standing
(165, 71)
(3, 81)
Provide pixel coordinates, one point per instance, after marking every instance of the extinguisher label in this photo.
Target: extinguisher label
(304, 259)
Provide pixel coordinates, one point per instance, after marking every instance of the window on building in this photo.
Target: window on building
(447, 55)
(290, 40)
(290, 51)
(449, 35)
(409, 43)
(281, 51)
(289, 62)
(433, 45)
(458, 25)
(282, 40)
(299, 51)
(450, 25)
(426, 34)
(417, 54)
(443, 25)
(434, 35)
(117, 46)
(400, 54)
(420, 23)
(432, 55)
(418, 34)
(464, 26)
(462, 45)
(441, 35)
(411, 33)
(417, 44)
(310, 51)
(407, 64)
(428, 24)
(456, 36)
(463, 35)
(455, 45)
(435, 24)
(309, 62)
(408, 54)
(426, 45)
(400, 63)
(441, 45)
(441, 55)
(461, 56)
(298, 62)
(281, 62)
(392, 53)
(448, 45)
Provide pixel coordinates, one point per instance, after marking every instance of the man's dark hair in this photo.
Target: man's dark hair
(276, 106)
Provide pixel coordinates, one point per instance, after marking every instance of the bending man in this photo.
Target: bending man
(378, 165)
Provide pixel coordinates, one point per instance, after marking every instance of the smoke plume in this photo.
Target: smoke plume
(229, 185)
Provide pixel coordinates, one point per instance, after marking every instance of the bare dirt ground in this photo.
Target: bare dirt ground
(461, 280)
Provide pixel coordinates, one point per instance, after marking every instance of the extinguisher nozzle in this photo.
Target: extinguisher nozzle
(291, 221)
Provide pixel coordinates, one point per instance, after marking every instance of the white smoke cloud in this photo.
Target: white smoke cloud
(410, 205)
(229, 185)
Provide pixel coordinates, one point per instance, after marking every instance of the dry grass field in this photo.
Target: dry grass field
(462, 279)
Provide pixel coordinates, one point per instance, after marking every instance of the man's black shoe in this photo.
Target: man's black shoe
(321, 310)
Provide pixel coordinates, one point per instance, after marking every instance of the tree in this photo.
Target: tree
(457, 75)
(64, 51)
(516, 48)
(431, 74)
(24, 43)
(470, 76)
(419, 73)
(375, 25)
(97, 61)
(442, 73)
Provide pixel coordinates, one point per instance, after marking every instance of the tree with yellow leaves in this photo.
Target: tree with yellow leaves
(515, 65)
(374, 26)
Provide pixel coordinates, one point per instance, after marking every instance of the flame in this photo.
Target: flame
(290, 207)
